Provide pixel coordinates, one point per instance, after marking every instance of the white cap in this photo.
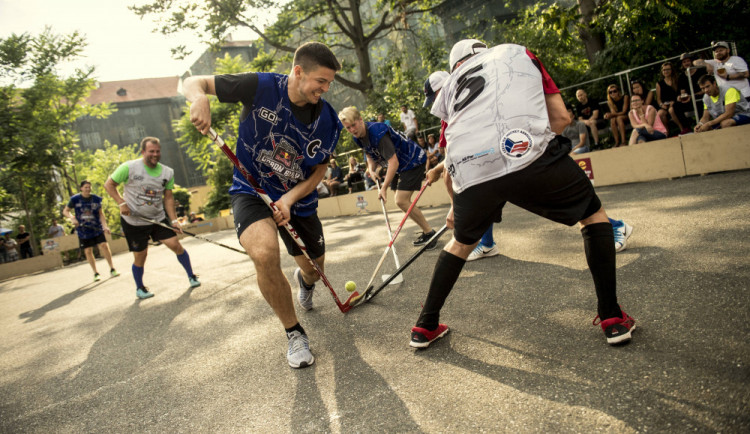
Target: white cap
(464, 49)
(433, 84)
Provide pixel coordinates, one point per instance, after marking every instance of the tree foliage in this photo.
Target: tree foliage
(37, 109)
(350, 27)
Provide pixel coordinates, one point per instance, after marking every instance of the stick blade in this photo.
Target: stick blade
(396, 280)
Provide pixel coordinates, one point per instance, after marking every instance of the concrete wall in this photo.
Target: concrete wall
(693, 154)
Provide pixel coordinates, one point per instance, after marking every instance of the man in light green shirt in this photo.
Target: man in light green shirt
(147, 195)
(725, 105)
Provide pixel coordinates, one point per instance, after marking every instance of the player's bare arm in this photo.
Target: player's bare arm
(110, 186)
(557, 113)
(66, 213)
(196, 90)
(169, 208)
(103, 221)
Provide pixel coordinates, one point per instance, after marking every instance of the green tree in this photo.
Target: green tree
(37, 109)
(351, 27)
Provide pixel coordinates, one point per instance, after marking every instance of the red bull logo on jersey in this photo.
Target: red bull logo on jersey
(516, 143)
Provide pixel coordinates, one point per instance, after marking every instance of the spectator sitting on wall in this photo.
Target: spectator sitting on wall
(334, 179)
(618, 113)
(637, 88)
(724, 106)
(354, 175)
(588, 113)
(689, 76)
(666, 96)
(577, 133)
(645, 122)
(729, 71)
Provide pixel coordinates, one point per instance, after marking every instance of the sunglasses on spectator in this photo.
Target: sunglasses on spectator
(614, 91)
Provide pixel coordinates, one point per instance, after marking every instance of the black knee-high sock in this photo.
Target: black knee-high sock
(447, 269)
(599, 245)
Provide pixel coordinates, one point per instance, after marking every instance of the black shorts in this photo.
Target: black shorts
(137, 236)
(410, 180)
(91, 242)
(553, 187)
(249, 209)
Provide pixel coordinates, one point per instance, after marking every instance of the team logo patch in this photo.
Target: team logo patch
(283, 160)
(268, 115)
(516, 143)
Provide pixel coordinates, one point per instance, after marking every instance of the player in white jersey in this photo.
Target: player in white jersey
(147, 195)
(504, 115)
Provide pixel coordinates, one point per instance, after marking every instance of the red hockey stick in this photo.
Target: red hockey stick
(358, 298)
(344, 307)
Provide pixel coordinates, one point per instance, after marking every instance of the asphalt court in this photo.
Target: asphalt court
(522, 355)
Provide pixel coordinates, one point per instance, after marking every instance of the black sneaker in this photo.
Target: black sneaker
(422, 239)
(432, 245)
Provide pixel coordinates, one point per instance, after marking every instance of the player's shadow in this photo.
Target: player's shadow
(59, 302)
(598, 394)
(123, 351)
(364, 399)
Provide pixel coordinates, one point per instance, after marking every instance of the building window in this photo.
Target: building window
(91, 140)
(136, 133)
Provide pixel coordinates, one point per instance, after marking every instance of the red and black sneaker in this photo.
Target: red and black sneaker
(422, 338)
(617, 330)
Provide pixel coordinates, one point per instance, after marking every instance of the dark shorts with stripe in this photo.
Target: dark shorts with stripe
(553, 186)
(249, 209)
(137, 236)
(91, 242)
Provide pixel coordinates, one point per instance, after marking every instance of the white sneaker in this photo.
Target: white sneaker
(304, 296)
(481, 251)
(298, 355)
(622, 234)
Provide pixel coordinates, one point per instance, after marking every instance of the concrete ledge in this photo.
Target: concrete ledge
(644, 162)
(30, 265)
(717, 151)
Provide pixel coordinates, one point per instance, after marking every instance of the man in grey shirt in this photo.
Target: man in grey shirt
(577, 133)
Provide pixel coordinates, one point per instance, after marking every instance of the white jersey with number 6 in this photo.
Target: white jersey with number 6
(494, 105)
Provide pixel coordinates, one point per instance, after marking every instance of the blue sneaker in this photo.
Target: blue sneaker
(142, 293)
(194, 283)
(304, 297)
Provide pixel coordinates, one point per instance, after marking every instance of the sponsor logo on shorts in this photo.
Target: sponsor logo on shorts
(516, 143)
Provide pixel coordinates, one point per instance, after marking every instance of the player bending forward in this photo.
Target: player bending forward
(504, 116)
(287, 134)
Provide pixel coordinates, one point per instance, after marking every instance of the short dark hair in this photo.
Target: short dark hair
(310, 55)
(708, 78)
(147, 140)
(84, 182)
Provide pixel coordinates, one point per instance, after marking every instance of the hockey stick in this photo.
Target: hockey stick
(154, 222)
(359, 298)
(399, 279)
(344, 307)
(408, 262)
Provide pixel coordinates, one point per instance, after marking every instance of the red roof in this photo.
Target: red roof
(135, 90)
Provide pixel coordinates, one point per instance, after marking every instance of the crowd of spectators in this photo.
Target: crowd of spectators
(719, 87)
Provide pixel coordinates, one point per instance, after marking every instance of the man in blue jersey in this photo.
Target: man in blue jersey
(147, 195)
(90, 224)
(384, 146)
(286, 136)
